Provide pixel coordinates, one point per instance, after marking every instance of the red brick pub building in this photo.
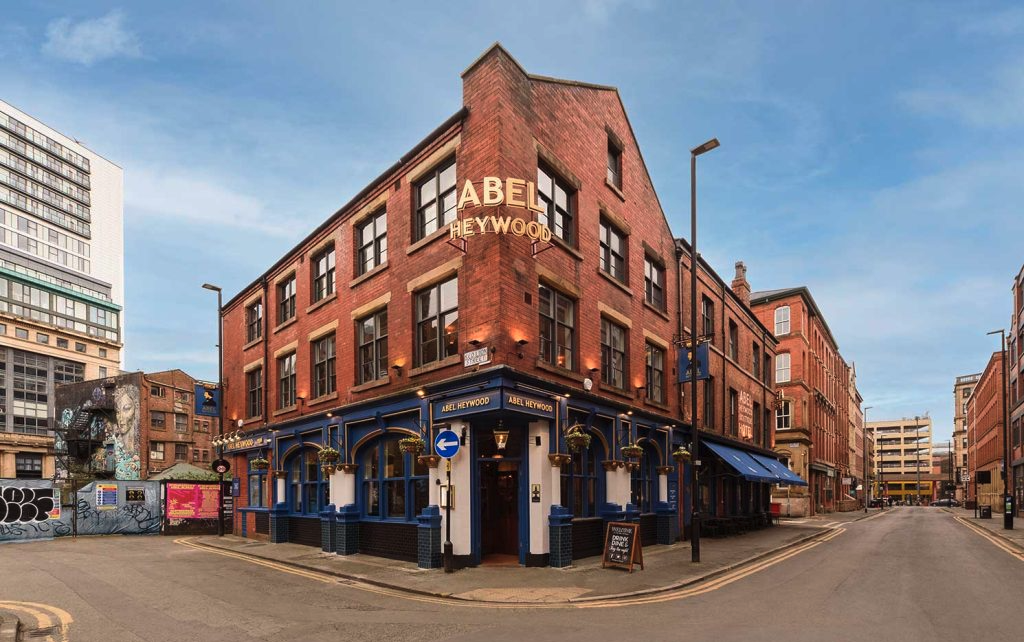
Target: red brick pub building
(512, 277)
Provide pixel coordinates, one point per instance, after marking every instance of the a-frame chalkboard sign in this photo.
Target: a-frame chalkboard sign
(622, 546)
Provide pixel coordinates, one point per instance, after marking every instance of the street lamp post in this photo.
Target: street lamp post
(220, 404)
(864, 455)
(1008, 506)
(694, 480)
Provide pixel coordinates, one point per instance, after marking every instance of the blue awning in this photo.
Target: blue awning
(786, 476)
(743, 463)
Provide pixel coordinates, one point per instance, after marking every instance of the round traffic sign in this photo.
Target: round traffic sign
(446, 444)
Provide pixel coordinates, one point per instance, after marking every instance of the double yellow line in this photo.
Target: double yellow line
(677, 594)
(995, 539)
(45, 616)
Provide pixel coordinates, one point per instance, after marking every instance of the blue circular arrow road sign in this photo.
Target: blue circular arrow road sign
(446, 444)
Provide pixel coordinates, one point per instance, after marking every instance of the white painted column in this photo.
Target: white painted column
(555, 483)
(540, 473)
(462, 468)
(346, 485)
(663, 487)
(621, 486)
(281, 490)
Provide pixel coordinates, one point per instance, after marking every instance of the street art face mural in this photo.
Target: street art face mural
(126, 432)
(119, 435)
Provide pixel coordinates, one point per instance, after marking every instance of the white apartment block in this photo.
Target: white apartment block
(61, 281)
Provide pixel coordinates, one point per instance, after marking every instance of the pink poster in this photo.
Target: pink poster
(192, 501)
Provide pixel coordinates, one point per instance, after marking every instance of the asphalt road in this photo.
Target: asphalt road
(908, 574)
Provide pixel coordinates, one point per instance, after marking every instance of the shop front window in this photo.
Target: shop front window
(644, 481)
(394, 483)
(580, 480)
(308, 492)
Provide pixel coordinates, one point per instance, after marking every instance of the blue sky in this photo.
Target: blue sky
(871, 151)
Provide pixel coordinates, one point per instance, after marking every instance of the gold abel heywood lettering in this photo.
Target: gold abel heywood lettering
(471, 226)
(512, 192)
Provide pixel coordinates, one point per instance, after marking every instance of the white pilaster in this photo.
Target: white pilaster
(540, 473)
(346, 483)
(663, 487)
(462, 467)
(281, 488)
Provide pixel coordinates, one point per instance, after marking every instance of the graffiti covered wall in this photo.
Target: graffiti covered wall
(102, 508)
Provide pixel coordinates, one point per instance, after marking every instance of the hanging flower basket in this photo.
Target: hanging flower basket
(329, 455)
(576, 439)
(328, 469)
(681, 455)
(412, 445)
(260, 463)
(632, 451)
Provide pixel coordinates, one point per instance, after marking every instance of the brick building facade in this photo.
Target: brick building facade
(985, 434)
(511, 278)
(812, 422)
(1015, 383)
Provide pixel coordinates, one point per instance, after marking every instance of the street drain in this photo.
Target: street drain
(41, 633)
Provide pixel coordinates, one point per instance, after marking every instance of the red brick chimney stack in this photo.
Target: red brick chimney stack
(740, 285)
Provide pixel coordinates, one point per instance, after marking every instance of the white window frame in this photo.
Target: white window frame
(782, 367)
(782, 318)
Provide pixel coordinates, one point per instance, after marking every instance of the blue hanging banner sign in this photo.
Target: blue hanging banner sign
(683, 369)
(207, 400)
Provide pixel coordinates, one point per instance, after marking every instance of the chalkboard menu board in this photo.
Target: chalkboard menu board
(622, 546)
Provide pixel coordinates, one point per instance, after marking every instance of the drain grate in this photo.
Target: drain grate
(41, 633)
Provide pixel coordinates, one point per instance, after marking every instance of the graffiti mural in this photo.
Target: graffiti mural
(113, 421)
(29, 512)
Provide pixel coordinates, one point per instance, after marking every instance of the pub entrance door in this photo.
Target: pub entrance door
(499, 511)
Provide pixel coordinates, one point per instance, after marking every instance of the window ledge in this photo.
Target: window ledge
(323, 398)
(252, 420)
(369, 274)
(656, 404)
(576, 254)
(436, 365)
(622, 286)
(427, 240)
(285, 324)
(614, 188)
(615, 391)
(285, 411)
(322, 302)
(370, 385)
(558, 370)
(252, 343)
(663, 314)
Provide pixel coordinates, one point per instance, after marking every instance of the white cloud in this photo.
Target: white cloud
(178, 194)
(994, 104)
(91, 41)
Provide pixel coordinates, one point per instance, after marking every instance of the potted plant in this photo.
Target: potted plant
(576, 438)
(260, 463)
(328, 469)
(632, 451)
(681, 455)
(412, 445)
(329, 455)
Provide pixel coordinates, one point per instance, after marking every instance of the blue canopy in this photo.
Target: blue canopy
(786, 476)
(743, 463)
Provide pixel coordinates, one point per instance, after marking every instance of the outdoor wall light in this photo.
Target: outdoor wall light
(475, 342)
(421, 392)
(521, 343)
(500, 436)
(398, 370)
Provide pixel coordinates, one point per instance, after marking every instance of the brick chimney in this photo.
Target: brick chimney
(740, 286)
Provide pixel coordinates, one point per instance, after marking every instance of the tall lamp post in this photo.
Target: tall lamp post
(1008, 507)
(694, 480)
(864, 455)
(220, 404)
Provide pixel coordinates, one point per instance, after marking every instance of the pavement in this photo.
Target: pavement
(1014, 537)
(665, 567)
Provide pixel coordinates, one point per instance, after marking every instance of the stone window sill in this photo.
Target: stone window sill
(615, 189)
(615, 391)
(658, 311)
(427, 240)
(369, 274)
(370, 385)
(284, 325)
(564, 372)
(254, 342)
(322, 302)
(622, 286)
(323, 398)
(436, 365)
(576, 254)
(285, 411)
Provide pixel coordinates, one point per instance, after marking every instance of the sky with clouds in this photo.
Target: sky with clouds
(871, 151)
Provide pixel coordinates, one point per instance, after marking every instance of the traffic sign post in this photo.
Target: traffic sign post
(446, 444)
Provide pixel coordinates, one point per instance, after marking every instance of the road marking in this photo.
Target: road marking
(44, 616)
(995, 539)
(703, 587)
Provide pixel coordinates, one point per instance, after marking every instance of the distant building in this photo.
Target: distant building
(1015, 353)
(985, 435)
(962, 390)
(812, 419)
(857, 440)
(61, 281)
(141, 423)
(903, 450)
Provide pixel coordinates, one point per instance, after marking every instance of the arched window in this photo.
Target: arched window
(394, 483)
(644, 481)
(581, 480)
(781, 320)
(307, 489)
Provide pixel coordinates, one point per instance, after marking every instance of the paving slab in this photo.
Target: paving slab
(665, 567)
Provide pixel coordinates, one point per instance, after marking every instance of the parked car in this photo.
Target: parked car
(945, 502)
(876, 502)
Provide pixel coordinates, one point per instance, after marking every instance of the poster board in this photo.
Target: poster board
(192, 501)
(622, 546)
